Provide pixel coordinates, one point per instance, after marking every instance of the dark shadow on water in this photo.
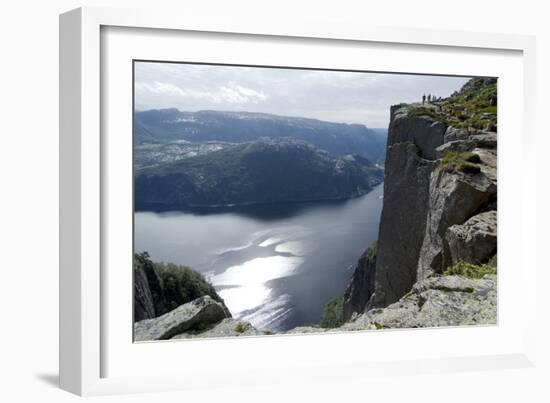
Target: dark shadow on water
(49, 379)
(263, 212)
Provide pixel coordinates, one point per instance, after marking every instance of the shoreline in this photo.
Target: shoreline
(158, 207)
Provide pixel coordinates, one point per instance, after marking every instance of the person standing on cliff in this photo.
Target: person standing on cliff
(429, 98)
(423, 98)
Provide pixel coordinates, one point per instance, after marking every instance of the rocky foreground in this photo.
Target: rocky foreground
(202, 317)
(438, 301)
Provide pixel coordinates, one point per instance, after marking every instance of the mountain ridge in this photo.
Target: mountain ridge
(170, 124)
(258, 172)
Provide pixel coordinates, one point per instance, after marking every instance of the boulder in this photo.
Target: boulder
(198, 314)
(470, 142)
(484, 140)
(474, 242)
(455, 145)
(454, 197)
(228, 327)
(453, 133)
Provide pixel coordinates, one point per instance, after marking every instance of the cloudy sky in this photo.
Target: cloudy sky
(327, 95)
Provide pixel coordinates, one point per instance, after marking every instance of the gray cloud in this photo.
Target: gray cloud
(349, 97)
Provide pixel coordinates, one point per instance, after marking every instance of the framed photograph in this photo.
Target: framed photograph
(289, 201)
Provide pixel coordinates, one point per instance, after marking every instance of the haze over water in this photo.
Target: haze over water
(275, 266)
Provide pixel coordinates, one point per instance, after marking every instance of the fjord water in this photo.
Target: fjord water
(275, 266)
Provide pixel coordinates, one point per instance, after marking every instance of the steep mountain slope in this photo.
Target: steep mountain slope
(264, 171)
(169, 125)
(440, 202)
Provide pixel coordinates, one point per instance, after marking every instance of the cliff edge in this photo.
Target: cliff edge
(439, 211)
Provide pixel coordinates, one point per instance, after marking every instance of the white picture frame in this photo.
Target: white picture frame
(87, 342)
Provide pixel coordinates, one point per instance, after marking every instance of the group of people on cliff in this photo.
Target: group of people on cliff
(430, 98)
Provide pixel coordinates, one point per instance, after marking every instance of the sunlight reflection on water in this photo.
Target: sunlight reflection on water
(247, 282)
(275, 266)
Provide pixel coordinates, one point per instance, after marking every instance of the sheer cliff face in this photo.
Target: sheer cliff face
(410, 160)
(440, 196)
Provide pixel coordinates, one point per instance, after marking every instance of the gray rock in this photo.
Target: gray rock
(226, 328)
(361, 285)
(484, 140)
(455, 145)
(412, 144)
(309, 329)
(475, 241)
(468, 142)
(454, 197)
(149, 298)
(437, 301)
(453, 133)
(427, 134)
(197, 314)
(144, 306)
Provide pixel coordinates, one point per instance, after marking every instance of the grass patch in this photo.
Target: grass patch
(422, 111)
(240, 327)
(489, 109)
(470, 270)
(378, 326)
(466, 162)
(333, 314)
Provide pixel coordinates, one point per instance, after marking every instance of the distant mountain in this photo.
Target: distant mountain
(169, 125)
(153, 154)
(262, 171)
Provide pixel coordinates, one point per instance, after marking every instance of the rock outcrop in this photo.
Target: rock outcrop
(410, 160)
(454, 197)
(160, 288)
(475, 241)
(361, 285)
(195, 315)
(144, 306)
(439, 211)
(202, 317)
(149, 299)
(228, 327)
(437, 301)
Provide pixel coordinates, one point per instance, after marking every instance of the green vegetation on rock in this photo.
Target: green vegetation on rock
(370, 253)
(182, 284)
(470, 270)
(240, 327)
(454, 161)
(474, 106)
(333, 313)
(432, 112)
(178, 284)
